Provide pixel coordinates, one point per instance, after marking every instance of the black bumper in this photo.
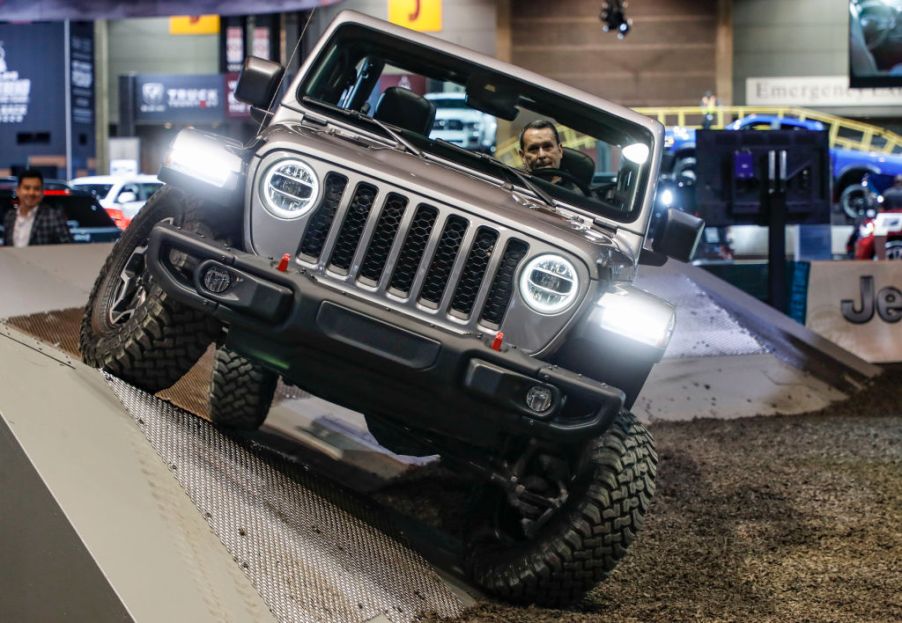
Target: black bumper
(373, 359)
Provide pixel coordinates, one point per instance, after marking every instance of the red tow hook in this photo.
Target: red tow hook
(498, 341)
(283, 263)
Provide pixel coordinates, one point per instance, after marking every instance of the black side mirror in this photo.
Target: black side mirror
(677, 235)
(258, 82)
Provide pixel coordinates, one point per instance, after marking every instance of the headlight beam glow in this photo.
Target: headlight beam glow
(638, 315)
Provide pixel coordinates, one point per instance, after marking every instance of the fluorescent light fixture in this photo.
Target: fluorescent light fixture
(203, 157)
(637, 152)
(638, 315)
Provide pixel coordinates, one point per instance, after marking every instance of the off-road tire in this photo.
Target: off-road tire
(162, 339)
(582, 544)
(241, 391)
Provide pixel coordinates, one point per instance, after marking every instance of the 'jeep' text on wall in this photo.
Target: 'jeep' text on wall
(887, 302)
(858, 305)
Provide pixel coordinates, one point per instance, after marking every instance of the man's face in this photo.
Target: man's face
(541, 150)
(30, 192)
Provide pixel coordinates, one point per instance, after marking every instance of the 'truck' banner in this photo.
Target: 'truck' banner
(51, 10)
(858, 305)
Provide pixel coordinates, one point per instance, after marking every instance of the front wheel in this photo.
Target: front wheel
(582, 509)
(241, 391)
(131, 327)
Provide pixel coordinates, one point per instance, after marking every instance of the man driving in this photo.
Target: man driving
(540, 146)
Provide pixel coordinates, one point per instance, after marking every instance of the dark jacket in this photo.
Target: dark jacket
(49, 226)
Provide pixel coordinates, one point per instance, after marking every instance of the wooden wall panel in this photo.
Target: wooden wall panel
(668, 58)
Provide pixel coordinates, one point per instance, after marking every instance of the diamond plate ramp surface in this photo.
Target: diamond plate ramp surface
(703, 328)
(310, 559)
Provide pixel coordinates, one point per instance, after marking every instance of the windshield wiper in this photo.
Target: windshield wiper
(541, 194)
(358, 116)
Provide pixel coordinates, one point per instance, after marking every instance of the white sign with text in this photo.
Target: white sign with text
(815, 91)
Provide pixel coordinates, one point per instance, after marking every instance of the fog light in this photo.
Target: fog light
(539, 398)
(217, 280)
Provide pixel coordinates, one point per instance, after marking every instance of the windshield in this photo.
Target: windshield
(98, 190)
(451, 108)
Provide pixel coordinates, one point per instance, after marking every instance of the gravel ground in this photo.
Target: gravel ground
(795, 518)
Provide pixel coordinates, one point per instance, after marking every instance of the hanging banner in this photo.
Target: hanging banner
(53, 10)
(179, 98)
(194, 25)
(858, 305)
(422, 15)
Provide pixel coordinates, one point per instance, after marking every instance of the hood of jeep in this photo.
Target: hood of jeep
(459, 189)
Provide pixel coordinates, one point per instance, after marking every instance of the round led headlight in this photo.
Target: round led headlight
(549, 284)
(289, 188)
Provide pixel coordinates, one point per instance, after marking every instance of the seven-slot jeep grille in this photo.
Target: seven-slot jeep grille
(387, 242)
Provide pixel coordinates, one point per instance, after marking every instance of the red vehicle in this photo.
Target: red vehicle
(889, 224)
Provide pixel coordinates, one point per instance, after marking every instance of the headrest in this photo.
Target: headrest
(580, 165)
(405, 109)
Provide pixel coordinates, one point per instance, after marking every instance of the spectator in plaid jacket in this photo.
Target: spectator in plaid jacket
(32, 223)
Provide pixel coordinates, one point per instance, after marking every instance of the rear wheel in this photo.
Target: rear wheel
(131, 327)
(581, 509)
(241, 391)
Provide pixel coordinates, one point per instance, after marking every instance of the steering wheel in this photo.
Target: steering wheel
(550, 174)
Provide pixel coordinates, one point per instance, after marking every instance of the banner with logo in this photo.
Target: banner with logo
(422, 15)
(179, 98)
(858, 305)
(194, 25)
(53, 10)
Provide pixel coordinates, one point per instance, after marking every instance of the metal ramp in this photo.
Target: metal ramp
(260, 541)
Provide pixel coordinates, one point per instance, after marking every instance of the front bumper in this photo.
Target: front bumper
(373, 359)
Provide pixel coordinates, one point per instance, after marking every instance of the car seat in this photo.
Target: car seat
(578, 164)
(405, 109)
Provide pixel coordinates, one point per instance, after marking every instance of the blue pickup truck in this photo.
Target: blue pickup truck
(849, 166)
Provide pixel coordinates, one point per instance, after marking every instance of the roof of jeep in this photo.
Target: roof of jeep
(477, 58)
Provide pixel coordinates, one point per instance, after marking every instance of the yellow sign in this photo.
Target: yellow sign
(194, 25)
(422, 15)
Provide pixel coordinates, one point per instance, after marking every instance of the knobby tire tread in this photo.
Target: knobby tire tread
(164, 338)
(580, 548)
(241, 391)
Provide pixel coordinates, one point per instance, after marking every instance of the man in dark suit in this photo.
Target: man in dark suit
(31, 222)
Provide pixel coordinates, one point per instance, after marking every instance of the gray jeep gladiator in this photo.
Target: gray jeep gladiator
(466, 307)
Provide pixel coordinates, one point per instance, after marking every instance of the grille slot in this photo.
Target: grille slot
(474, 272)
(413, 249)
(443, 260)
(383, 237)
(321, 221)
(503, 284)
(352, 227)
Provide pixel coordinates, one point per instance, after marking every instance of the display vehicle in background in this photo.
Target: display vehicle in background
(121, 197)
(466, 308)
(886, 225)
(848, 166)
(458, 123)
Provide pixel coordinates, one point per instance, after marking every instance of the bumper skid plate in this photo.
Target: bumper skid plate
(296, 311)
